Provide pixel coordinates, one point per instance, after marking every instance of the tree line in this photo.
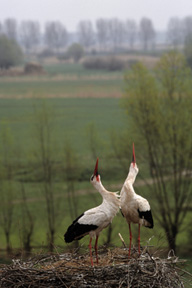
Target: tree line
(104, 34)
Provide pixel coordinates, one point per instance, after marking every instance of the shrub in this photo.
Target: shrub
(10, 52)
(46, 53)
(33, 68)
(104, 63)
(75, 51)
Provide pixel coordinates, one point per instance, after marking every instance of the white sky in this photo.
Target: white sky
(70, 12)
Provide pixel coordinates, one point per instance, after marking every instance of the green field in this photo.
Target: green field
(63, 81)
(71, 119)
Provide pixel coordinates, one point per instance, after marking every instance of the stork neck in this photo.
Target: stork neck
(127, 191)
(101, 189)
(131, 178)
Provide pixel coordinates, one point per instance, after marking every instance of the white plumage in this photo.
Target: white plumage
(94, 220)
(135, 208)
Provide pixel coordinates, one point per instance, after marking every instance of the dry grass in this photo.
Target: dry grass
(114, 270)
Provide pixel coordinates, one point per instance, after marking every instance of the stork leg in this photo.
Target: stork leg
(139, 239)
(96, 249)
(90, 251)
(130, 237)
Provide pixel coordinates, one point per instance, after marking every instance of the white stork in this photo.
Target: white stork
(94, 220)
(135, 208)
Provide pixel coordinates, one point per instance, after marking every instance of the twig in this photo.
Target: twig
(122, 240)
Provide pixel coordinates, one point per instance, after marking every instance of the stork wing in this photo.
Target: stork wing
(94, 217)
(78, 230)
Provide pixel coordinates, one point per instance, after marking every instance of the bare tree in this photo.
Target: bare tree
(6, 175)
(27, 222)
(174, 32)
(30, 34)
(10, 28)
(7, 208)
(102, 32)
(116, 32)
(71, 169)
(56, 35)
(45, 154)
(130, 28)
(85, 33)
(187, 27)
(146, 33)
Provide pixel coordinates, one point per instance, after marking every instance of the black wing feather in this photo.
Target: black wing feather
(77, 231)
(147, 215)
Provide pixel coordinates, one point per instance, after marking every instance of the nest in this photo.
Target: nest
(74, 270)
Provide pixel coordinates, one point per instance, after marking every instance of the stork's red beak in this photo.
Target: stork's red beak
(133, 157)
(95, 173)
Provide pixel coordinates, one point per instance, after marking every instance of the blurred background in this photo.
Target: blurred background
(86, 79)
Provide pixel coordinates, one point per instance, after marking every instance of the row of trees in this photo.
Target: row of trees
(111, 32)
(116, 33)
(107, 34)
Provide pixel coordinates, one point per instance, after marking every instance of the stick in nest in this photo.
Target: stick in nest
(122, 240)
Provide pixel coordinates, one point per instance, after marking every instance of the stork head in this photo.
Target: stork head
(95, 177)
(133, 166)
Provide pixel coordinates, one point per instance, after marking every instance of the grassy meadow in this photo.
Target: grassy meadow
(63, 81)
(71, 118)
(80, 100)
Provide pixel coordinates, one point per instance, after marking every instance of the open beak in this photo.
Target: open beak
(95, 173)
(133, 157)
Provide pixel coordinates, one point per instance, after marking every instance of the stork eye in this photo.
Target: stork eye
(92, 177)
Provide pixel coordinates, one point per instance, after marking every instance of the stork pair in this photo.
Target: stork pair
(134, 208)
